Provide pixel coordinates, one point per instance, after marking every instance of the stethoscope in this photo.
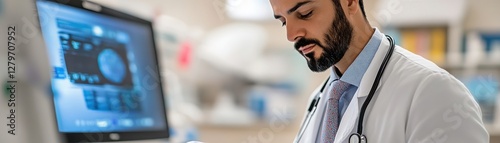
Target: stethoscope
(357, 137)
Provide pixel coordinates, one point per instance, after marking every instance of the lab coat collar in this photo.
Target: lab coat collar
(371, 72)
(350, 118)
(354, 73)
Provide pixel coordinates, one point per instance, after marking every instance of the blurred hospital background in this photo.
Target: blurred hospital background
(232, 77)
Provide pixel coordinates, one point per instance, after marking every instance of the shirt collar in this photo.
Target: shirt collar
(357, 69)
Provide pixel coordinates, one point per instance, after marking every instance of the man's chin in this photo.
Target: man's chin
(316, 68)
(318, 65)
(312, 63)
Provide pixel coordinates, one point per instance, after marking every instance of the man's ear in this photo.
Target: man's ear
(352, 6)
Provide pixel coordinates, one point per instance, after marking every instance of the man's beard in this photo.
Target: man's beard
(337, 41)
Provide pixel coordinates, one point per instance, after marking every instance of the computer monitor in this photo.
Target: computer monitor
(105, 82)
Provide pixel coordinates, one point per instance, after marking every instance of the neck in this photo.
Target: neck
(359, 39)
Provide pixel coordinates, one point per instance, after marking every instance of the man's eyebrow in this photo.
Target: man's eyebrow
(297, 6)
(294, 8)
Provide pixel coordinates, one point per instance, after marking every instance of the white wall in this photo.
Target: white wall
(483, 15)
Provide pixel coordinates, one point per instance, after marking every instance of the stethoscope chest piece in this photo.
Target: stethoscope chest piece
(357, 138)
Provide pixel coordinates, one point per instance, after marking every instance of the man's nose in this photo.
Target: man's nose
(294, 32)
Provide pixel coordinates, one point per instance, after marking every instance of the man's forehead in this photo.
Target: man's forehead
(284, 5)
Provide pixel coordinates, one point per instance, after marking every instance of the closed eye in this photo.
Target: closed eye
(305, 16)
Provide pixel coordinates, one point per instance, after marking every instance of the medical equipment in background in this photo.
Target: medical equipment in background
(132, 7)
(233, 46)
(99, 73)
(226, 54)
(177, 45)
(480, 73)
(402, 15)
(176, 41)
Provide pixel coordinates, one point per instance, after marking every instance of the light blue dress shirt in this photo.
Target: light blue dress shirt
(352, 75)
(355, 71)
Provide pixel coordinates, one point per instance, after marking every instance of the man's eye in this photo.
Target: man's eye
(305, 16)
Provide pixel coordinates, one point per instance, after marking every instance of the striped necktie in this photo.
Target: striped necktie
(331, 118)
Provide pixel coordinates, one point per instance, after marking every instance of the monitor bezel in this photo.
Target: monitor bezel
(122, 135)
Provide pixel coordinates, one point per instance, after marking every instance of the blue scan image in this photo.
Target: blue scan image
(111, 65)
(94, 87)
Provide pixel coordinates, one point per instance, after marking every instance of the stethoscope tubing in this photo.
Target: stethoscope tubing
(310, 111)
(359, 132)
(375, 84)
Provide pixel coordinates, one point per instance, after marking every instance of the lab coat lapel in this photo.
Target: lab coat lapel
(320, 110)
(311, 130)
(367, 81)
(351, 115)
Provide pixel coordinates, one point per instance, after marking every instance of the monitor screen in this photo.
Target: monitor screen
(105, 71)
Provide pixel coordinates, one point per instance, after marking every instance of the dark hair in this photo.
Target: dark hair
(337, 4)
(362, 8)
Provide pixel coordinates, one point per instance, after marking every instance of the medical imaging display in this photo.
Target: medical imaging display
(105, 75)
(93, 60)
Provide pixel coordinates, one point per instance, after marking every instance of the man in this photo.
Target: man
(416, 101)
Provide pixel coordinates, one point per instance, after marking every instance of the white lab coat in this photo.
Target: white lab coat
(416, 102)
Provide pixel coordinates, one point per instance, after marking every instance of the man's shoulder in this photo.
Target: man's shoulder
(413, 71)
(412, 64)
(419, 72)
